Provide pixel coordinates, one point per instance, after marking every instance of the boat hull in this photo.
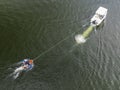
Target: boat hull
(99, 16)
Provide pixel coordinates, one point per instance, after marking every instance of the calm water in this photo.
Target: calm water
(46, 29)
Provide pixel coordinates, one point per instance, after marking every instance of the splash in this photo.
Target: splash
(18, 70)
(82, 38)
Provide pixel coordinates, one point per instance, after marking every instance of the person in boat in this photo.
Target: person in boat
(94, 22)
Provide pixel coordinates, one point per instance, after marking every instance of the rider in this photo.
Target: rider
(27, 63)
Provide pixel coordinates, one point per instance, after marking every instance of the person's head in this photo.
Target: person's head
(31, 61)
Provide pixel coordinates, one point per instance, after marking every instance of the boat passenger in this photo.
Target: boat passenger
(94, 22)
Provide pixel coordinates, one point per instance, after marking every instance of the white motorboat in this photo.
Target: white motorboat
(99, 16)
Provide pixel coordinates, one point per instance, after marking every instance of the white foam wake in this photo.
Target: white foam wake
(15, 74)
(80, 39)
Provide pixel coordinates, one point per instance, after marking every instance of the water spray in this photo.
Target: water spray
(81, 38)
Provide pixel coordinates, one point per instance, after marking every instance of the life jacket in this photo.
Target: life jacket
(30, 61)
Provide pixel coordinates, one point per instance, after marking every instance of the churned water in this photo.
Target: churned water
(46, 28)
